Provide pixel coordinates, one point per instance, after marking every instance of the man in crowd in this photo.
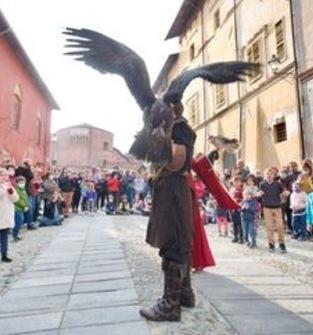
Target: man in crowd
(271, 191)
(67, 186)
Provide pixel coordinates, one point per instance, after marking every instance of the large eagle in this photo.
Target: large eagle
(153, 142)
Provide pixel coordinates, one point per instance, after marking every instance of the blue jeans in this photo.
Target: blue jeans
(4, 241)
(299, 225)
(249, 230)
(131, 196)
(33, 205)
(45, 222)
(19, 221)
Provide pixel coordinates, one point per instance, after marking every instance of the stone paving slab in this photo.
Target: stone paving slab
(103, 276)
(35, 282)
(47, 274)
(136, 328)
(119, 267)
(32, 323)
(98, 316)
(83, 300)
(103, 262)
(105, 285)
(41, 291)
(10, 305)
(265, 280)
(286, 323)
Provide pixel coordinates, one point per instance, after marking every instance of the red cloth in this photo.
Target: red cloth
(201, 255)
(203, 168)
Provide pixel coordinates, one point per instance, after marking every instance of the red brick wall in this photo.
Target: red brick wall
(21, 142)
(88, 152)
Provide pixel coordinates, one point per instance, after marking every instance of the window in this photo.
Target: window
(193, 110)
(105, 146)
(254, 55)
(280, 132)
(220, 98)
(217, 19)
(79, 139)
(16, 112)
(104, 163)
(38, 131)
(192, 52)
(280, 40)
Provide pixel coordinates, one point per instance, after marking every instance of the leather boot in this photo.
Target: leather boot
(168, 307)
(187, 296)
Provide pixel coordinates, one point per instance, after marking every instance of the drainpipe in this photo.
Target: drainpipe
(238, 84)
(205, 114)
(298, 83)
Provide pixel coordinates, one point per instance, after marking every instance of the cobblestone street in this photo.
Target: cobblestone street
(97, 271)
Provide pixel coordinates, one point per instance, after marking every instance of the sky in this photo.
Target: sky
(83, 94)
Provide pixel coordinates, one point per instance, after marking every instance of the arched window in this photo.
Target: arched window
(38, 131)
(16, 111)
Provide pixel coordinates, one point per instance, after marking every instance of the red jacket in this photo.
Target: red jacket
(114, 185)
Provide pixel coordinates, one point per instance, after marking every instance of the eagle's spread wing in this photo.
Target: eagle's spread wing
(217, 73)
(223, 143)
(107, 55)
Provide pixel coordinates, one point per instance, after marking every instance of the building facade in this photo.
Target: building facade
(85, 145)
(262, 112)
(25, 104)
(303, 33)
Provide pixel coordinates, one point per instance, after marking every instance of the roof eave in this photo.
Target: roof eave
(14, 42)
(165, 69)
(186, 11)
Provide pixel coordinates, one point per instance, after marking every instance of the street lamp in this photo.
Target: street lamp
(274, 63)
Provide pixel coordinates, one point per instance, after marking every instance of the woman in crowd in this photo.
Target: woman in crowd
(34, 192)
(306, 184)
(21, 206)
(53, 211)
(49, 185)
(7, 198)
(77, 180)
(114, 187)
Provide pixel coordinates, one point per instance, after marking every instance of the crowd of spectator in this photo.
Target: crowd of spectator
(31, 198)
(283, 199)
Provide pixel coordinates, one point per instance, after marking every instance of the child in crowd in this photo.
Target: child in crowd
(203, 213)
(53, 211)
(124, 208)
(298, 206)
(221, 216)
(147, 205)
(110, 208)
(7, 198)
(236, 193)
(210, 210)
(90, 196)
(249, 207)
(252, 186)
(306, 184)
(139, 205)
(271, 191)
(21, 207)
